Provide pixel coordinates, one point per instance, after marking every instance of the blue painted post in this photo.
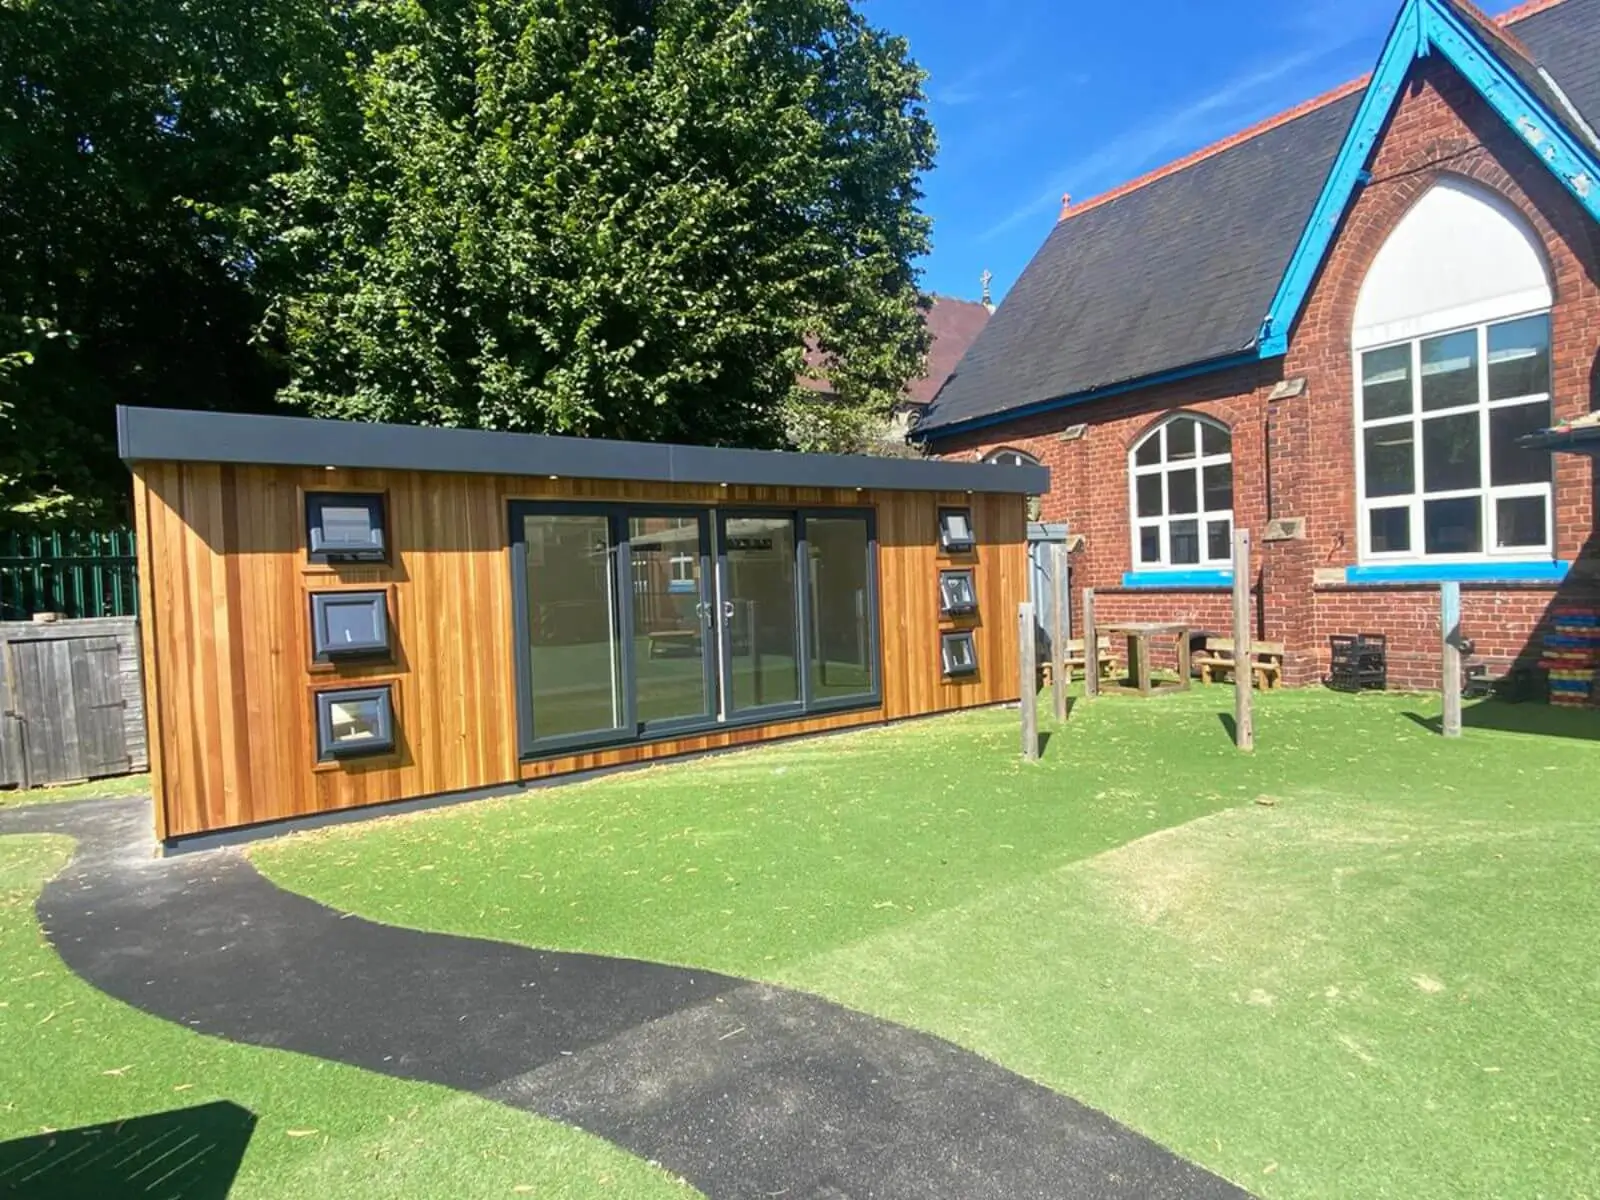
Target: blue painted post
(1450, 630)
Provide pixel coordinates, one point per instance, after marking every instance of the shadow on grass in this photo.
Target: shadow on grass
(1431, 724)
(1045, 737)
(1229, 726)
(1542, 720)
(189, 1152)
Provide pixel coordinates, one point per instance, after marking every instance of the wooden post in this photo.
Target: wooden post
(1244, 732)
(1091, 648)
(1028, 669)
(1061, 596)
(1450, 630)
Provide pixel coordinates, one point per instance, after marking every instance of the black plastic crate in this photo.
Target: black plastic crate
(1360, 662)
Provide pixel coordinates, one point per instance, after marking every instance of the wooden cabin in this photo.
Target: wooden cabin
(339, 615)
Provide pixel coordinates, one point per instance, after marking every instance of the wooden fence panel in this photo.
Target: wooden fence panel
(71, 701)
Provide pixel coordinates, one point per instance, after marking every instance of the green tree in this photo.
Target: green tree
(609, 217)
(135, 137)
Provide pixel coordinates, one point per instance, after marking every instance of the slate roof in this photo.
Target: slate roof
(1178, 268)
(953, 325)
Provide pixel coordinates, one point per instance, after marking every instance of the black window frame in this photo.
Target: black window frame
(952, 546)
(318, 549)
(322, 651)
(951, 669)
(328, 750)
(530, 746)
(967, 608)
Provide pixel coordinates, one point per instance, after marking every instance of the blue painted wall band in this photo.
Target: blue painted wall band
(1435, 573)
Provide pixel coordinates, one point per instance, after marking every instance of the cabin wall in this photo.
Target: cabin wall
(228, 668)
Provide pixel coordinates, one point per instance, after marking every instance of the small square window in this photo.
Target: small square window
(349, 625)
(345, 527)
(955, 530)
(960, 656)
(957, 595)
(354, 722)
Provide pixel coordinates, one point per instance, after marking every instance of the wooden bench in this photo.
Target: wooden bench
(1075, 661)
(673, 642)
(1266, 661)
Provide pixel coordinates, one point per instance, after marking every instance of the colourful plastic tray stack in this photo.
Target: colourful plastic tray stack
(1572, 655)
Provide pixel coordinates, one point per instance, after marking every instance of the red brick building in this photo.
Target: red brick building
(1335, 329)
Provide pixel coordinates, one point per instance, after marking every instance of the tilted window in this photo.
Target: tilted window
(345, 527)
(1181, 476)
(955, 530)
(349, 624)
(354, 721)
(957, 594)
(958, 653)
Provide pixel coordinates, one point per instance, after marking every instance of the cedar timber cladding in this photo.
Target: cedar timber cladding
(228, 656)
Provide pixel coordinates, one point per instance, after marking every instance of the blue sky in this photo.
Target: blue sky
(1033, 98)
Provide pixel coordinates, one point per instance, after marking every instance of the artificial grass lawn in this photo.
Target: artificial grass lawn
(1359, 963)
(71, 1056)
(94, 789)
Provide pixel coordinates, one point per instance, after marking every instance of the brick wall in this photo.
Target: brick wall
(1439, 128)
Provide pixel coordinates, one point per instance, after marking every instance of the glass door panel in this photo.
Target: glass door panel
(673, 652)
(575, 672)
(760, 613)
(841, 649)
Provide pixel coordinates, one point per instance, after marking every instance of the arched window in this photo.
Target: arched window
(1011, 458)
(1181, 475)
(1452, 347)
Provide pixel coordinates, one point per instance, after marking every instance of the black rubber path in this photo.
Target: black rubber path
(745, 1090)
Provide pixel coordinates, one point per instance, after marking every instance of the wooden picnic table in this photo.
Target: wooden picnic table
(1140, 634)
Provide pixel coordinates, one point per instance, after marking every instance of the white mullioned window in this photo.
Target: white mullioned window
(1181, 495)
(1451, 338)
(1441, 475)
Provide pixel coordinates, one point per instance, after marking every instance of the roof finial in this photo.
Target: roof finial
(985, 279)
(1066, 205)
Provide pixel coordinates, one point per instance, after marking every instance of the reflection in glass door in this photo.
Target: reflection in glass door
(673, 647)
(574, 670)
(760, 613)
(840, 649)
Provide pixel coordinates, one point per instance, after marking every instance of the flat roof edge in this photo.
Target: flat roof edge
(177, 435)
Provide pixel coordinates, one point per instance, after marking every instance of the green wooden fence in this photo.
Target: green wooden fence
(79, 572)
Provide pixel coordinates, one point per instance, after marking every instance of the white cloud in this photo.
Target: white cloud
(1194, 123)
(1324, 30)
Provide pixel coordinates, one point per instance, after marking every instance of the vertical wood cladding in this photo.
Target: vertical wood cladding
(225, 585)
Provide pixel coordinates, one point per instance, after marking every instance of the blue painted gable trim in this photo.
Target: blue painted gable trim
(1116, 389)
(1407, 41)
(1507, 572)
(1423, 26)
(1178, 579)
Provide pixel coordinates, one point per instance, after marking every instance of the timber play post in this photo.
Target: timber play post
(1028, 672)
(1244, 733)
(1450, 657)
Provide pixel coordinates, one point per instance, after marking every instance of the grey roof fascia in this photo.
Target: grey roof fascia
(174, 435)
(1581, 439)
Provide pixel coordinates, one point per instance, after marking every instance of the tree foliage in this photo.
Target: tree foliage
(133, 134)
(621, 218)
(606, 217)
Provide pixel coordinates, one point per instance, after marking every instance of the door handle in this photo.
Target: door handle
(727, 610)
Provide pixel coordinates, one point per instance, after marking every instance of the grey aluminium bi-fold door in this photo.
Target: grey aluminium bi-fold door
(634, 621)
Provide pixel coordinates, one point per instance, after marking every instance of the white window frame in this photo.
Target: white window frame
(1486, 493)
(1202, 517)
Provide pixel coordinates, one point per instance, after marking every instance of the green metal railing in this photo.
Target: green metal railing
(79, 572)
